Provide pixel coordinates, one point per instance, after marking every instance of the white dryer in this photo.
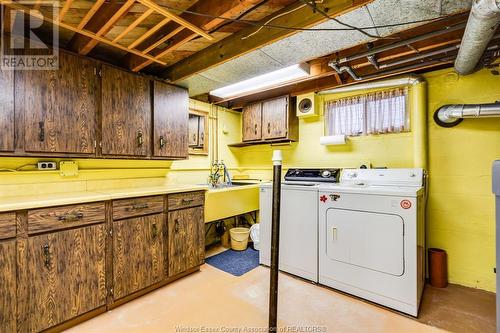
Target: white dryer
(372, 236)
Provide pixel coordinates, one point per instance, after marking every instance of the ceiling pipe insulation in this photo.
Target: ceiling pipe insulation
(452, 115)
(481, 26)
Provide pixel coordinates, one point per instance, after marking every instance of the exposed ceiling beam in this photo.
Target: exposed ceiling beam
(299, 15)
(100, 23)
(64, 9)
(95, 7)
(226, 8)
(134, 24)
(188, 25)
(426, 41)
(85, 33)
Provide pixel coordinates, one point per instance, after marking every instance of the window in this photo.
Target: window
(377, 113)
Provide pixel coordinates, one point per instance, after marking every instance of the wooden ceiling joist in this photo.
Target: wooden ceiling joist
(215, 8)
(149, 33)
(106, 27)
(134, 24)
(151, 4)
(226, 49)
(95, 7)
(64, 10)
(164, 39)
(82, 32)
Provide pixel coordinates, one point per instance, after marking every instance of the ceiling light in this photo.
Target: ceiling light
(258, 83)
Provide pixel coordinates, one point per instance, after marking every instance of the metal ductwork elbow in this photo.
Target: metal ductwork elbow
(481, 26)
(452, 115)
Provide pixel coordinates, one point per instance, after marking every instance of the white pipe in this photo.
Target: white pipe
(407, 80)
(481, 25)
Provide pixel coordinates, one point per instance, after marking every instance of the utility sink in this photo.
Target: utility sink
(226, 200)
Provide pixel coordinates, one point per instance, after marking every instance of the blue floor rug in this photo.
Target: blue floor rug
(236, 263)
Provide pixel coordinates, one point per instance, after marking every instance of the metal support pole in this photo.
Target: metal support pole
(275, 241)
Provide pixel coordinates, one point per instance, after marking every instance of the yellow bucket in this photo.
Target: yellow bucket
(239, 238)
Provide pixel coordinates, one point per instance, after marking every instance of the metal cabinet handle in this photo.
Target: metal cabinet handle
(334, 234)
(162, 142)
(176, 225)
(184, 200)
(71, 217)
(140, 139)
(154, 231)
(269, 128)
(255, 129)
(202, 136)
(140, 206)
(46, 254)
(41, 131)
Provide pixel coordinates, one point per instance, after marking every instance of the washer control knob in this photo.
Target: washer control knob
(326, 173)
(297, 172)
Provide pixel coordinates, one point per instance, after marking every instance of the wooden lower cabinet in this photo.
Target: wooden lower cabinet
(66, 275)
(67, 262)
(8, 286)
(186, 239)
(138, 254)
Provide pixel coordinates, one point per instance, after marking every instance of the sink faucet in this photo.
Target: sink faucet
(215, 173)
(226, 173)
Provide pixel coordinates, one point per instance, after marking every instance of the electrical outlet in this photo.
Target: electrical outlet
(47, 165)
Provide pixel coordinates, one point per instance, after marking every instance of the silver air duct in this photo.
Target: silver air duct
(481, 25)
(452, 115)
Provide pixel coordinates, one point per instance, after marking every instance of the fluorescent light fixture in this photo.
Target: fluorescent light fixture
(261, 82)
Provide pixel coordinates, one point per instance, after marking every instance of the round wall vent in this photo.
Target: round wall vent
(305, 105)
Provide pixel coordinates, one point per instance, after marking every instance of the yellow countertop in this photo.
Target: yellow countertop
(11, 203)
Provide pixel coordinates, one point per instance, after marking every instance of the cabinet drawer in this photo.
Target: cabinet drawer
(7, 225)
(185, 200)
(40, 220)
(137, 207)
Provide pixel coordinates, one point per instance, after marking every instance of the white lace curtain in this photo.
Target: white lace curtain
(381, 112)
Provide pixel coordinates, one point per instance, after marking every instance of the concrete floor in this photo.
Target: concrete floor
(214, 299)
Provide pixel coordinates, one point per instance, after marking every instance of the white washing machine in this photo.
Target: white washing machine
(372, 236)
(298, 254)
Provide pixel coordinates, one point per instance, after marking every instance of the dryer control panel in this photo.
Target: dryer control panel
(313, 175)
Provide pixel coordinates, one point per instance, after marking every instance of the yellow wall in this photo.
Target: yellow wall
(461, 205)
(391, 150)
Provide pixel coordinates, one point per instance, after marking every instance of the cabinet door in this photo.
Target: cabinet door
(66, 274)
(275, 118)
(6, 110)
(138, 254)
(194, 130)
(171, 112)
(186, 239)
(8, 286)
(126, 113)
(59, 107)
(252, 122)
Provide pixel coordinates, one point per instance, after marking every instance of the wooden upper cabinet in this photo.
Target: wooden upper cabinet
(58, 107)
(275, 118)
(171, 113)
(6, 110)
(126, 113)
(66, 274)
(252, 122)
